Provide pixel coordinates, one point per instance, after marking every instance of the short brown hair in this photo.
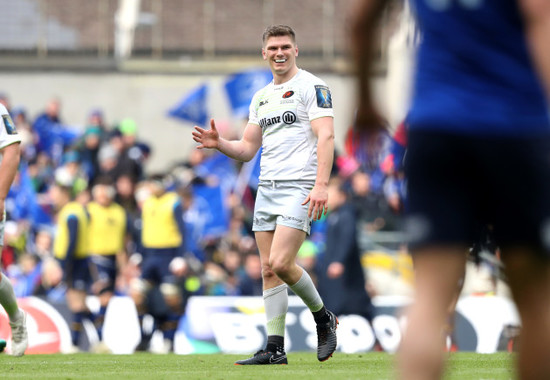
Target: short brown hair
(278, 30)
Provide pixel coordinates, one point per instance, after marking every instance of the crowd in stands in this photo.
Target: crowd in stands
(221, 255)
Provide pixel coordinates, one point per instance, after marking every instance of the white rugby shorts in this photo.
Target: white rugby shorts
(280, 202)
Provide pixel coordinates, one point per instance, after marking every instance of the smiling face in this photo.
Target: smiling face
(281, 52)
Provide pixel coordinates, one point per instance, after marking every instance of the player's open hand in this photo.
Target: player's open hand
(317, 200)
(207, 138)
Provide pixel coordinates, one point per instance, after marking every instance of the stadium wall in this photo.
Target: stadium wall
(146, 98)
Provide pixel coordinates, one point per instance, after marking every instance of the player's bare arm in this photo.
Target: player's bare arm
(323, 128)
(364, 21)
(8, 168)
(242, 150)
(537, 21)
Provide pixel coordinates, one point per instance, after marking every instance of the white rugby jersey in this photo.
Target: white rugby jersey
(8, 133)
(284, 112)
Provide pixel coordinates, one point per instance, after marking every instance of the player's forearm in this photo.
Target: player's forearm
(237, 149)
(8, 168)
(537, 16)
(325, 156)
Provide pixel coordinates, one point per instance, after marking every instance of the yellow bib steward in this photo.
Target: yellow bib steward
(61, 243)
(159, 227)
(107, 228)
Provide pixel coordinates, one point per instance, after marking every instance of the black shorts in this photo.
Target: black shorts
(104, 271)
(456, 184)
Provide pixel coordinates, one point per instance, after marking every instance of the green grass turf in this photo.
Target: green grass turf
(377, 366)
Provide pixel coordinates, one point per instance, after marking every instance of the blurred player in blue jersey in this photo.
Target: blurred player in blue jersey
(479, 153)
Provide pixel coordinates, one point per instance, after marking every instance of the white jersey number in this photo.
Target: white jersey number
(443, 5)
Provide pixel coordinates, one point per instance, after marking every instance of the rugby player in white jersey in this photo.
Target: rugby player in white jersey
(9, 148)
(292, 120)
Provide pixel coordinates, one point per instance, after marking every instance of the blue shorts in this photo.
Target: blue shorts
(76, 274)
(458, 184)
(155, 267)
(104, 271)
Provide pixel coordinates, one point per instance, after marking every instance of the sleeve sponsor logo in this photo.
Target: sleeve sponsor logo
(9, 125)
(324, 98)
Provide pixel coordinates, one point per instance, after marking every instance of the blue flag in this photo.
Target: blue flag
(193, 107)
(220, 166)
(210, 210)
(241, 87)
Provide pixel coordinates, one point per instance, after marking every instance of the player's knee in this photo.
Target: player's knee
(170, 291)
(280, 266)
(267, 272)
(138, 290)
(76, 300)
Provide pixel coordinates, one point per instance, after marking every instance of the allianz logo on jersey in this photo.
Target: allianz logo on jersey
(287, 118)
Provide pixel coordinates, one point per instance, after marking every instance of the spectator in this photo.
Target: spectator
(371, 206)
(125, 188)
(29, 138)
(42, 245)
(40, 171)
(108, 159)
(26, 275)
(89, 151)
(341, 275)
(132, 156)
(47, 125)
(51, 286)
(250, 282)
(70, 173)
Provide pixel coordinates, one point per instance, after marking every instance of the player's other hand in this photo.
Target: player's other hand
(207, 138)
(317, 199)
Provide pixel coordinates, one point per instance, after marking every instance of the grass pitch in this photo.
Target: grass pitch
(377, 366)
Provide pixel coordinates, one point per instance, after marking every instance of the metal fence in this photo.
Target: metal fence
(165, 29)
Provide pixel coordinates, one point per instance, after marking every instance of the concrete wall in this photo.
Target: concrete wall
(146, 98)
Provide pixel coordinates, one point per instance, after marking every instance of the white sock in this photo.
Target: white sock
(276, 306)
(7, 298)
(305, 289)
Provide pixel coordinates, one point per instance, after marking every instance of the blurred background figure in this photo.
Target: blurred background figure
(162, 242)
(459, 157)
(341, 276)
(53, 135)
(250, 282)
(71, 249)
(106, 243)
